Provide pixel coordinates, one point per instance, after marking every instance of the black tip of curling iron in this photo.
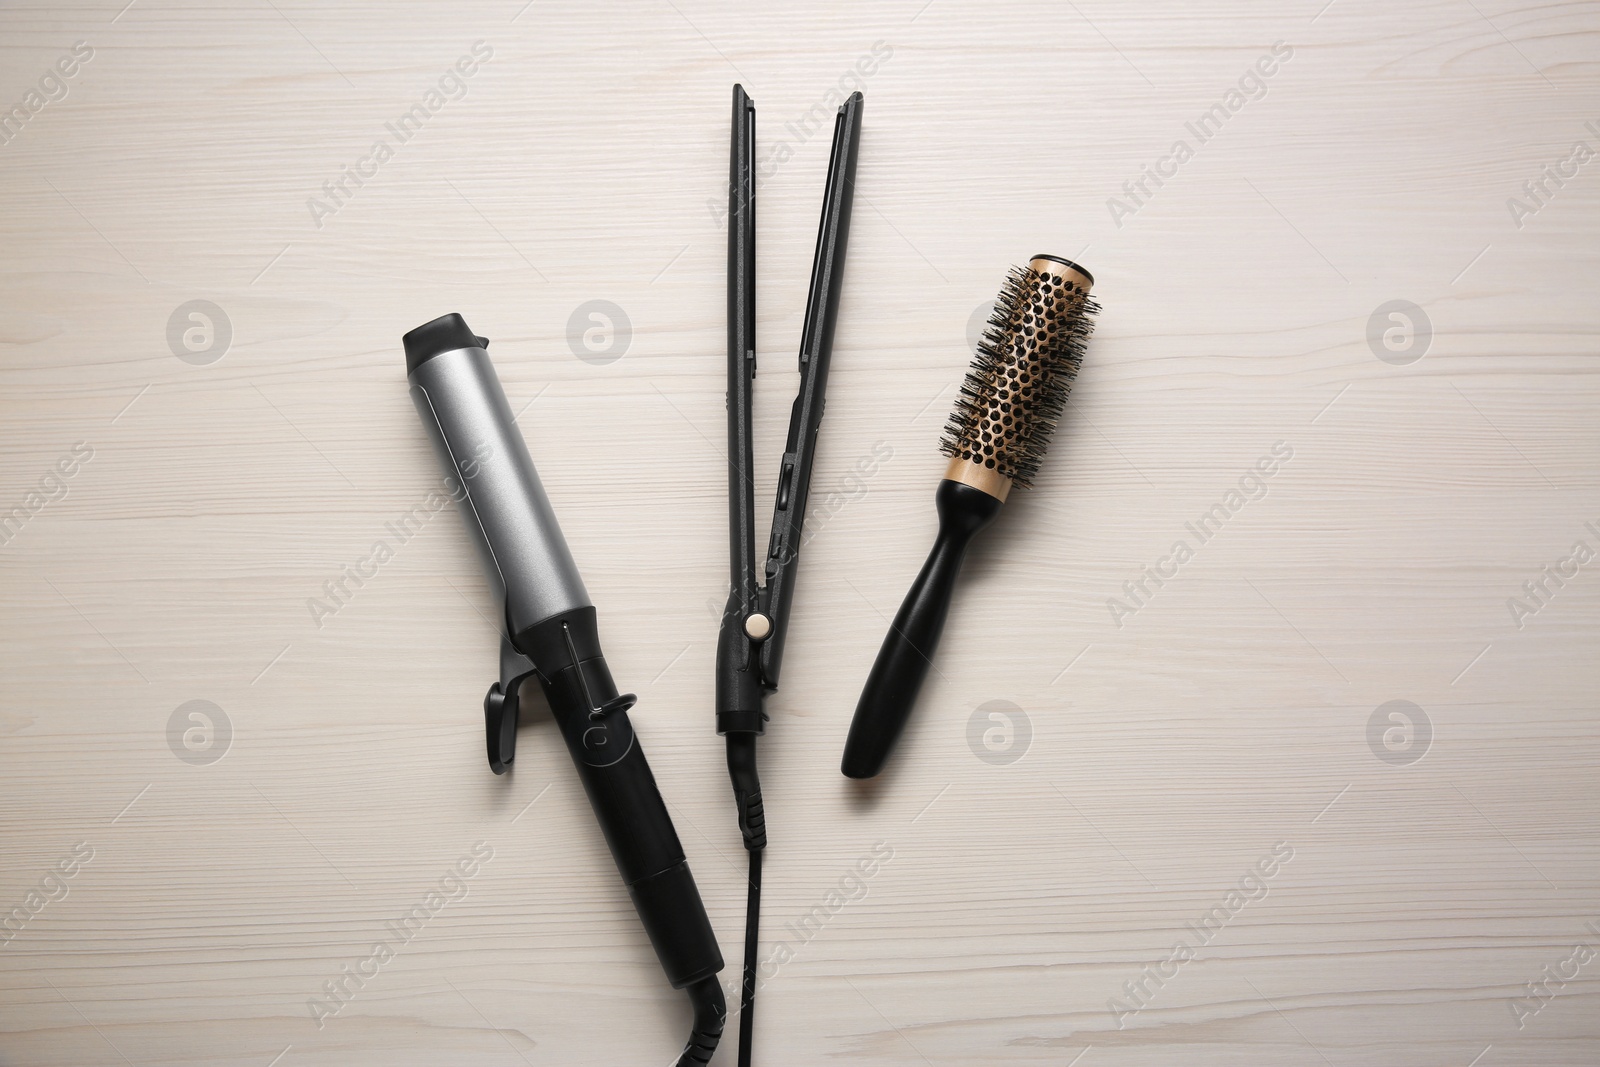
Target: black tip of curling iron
(1067, 263)
(444, 334)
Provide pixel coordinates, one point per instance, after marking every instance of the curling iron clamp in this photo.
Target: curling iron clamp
(551, 634)
(755, 622)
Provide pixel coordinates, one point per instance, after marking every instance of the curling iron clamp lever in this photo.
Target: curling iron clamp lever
(502, 706)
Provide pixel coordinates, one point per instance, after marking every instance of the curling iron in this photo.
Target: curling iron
(551, 634)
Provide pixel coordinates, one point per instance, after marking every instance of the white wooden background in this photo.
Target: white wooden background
(1160, 760)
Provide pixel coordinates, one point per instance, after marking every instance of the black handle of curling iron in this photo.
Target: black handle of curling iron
(908, 650)
(593, 720)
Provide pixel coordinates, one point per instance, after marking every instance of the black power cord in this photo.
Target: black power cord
(710, 1015)
(753, 827)
(752, 938)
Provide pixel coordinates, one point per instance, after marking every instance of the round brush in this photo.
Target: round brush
(1012, 398)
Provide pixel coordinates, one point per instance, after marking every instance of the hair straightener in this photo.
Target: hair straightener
(551, 634)
(755, 622)
(1009, 404)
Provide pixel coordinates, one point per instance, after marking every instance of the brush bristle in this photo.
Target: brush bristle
(1017, 386)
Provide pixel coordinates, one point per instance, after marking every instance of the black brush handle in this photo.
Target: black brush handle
(908, 649)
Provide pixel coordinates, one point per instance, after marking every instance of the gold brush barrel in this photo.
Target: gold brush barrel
(1019, 379)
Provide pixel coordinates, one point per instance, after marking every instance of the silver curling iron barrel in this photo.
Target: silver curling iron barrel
(551, 633)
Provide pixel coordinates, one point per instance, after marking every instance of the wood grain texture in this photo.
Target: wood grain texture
(1163, 758)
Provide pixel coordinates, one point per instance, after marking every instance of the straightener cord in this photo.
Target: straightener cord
(752, 940)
